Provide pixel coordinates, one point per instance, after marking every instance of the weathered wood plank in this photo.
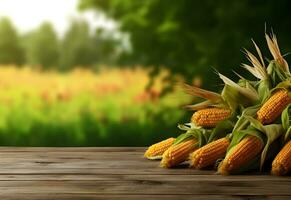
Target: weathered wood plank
(72, 149)
(121, 156)
(51, 160)
(130, 177)
(80, 165)
(97, 171)
(26, 196)
(144, 186)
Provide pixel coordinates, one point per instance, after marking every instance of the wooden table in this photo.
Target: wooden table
(120, 173)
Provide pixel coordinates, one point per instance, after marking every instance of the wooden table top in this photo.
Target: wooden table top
(120, 173)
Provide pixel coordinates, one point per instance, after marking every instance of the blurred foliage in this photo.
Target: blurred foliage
(193, 36)
(77, 46)
(108, 48)
(11, 51)
(42, 47)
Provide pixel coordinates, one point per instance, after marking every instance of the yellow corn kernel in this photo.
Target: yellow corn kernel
(177, 154)
(156, 151)
(282, 162)
(209, 154)
(209, 117)
(273, 107)
(244, 152)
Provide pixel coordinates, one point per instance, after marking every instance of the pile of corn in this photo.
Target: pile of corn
(244, 127)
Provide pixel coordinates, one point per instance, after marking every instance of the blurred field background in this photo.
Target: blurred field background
(115, 82)
(83, 108)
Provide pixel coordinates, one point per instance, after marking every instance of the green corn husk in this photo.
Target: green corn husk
(221, 130)
(264, 87)
(235, 95)
(204, 136)
(272, 133)
(232, 95)
(268, 134)
(192, 131)
(285, 118)
(243, 122)
(276, 73)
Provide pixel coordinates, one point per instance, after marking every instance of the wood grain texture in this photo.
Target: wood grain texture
(121, 173)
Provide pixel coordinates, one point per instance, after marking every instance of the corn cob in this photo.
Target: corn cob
(156, 151)
(178, 153)
(273, 107)
(282, 162)
(241, 154)
(209, 154)
(209, 117)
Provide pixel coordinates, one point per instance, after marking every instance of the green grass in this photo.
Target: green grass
(85, 109)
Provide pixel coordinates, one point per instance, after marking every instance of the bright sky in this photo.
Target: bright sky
(29, 14)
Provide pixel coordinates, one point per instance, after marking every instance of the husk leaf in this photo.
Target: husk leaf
(271, 131)
(264, 87)
(222, 129)
(285, 118)
(275, 51)
(242, 121)
(233, 98)
(199, 106)
(205, 94)
(239, 135)
(276, 73)
(250, 94)
(198, 133)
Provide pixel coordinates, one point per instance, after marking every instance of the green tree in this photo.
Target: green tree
(42, 46)
(107, 47)
(11, 51)
(192, 36)
(77, 47)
